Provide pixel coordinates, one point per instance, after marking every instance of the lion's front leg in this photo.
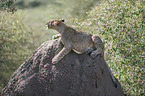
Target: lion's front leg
(98, 44)
(60, 55)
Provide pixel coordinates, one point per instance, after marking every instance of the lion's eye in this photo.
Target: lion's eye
(58, 23)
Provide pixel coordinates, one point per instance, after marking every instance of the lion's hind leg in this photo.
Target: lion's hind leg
(98, 44)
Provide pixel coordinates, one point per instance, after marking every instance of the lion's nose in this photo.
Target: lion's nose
(47, 26)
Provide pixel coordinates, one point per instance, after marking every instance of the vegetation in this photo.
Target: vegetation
(7, 5)
(120, 24)
(15, 47)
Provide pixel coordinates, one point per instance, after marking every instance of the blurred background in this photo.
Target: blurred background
(119, 23)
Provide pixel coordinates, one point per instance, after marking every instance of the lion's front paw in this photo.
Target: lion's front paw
(56, 36)
(93, 54)
(54, 61)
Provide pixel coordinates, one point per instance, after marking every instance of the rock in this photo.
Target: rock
(74, 75)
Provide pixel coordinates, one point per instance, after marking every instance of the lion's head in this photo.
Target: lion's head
(54, 24)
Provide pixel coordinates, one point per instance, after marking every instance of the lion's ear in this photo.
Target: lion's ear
(62, 20)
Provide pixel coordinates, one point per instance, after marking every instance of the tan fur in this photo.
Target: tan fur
(78, 41)
(75, 40)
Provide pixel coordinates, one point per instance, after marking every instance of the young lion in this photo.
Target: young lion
(77, 41)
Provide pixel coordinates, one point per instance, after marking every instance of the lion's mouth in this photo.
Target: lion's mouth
(47, 27)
